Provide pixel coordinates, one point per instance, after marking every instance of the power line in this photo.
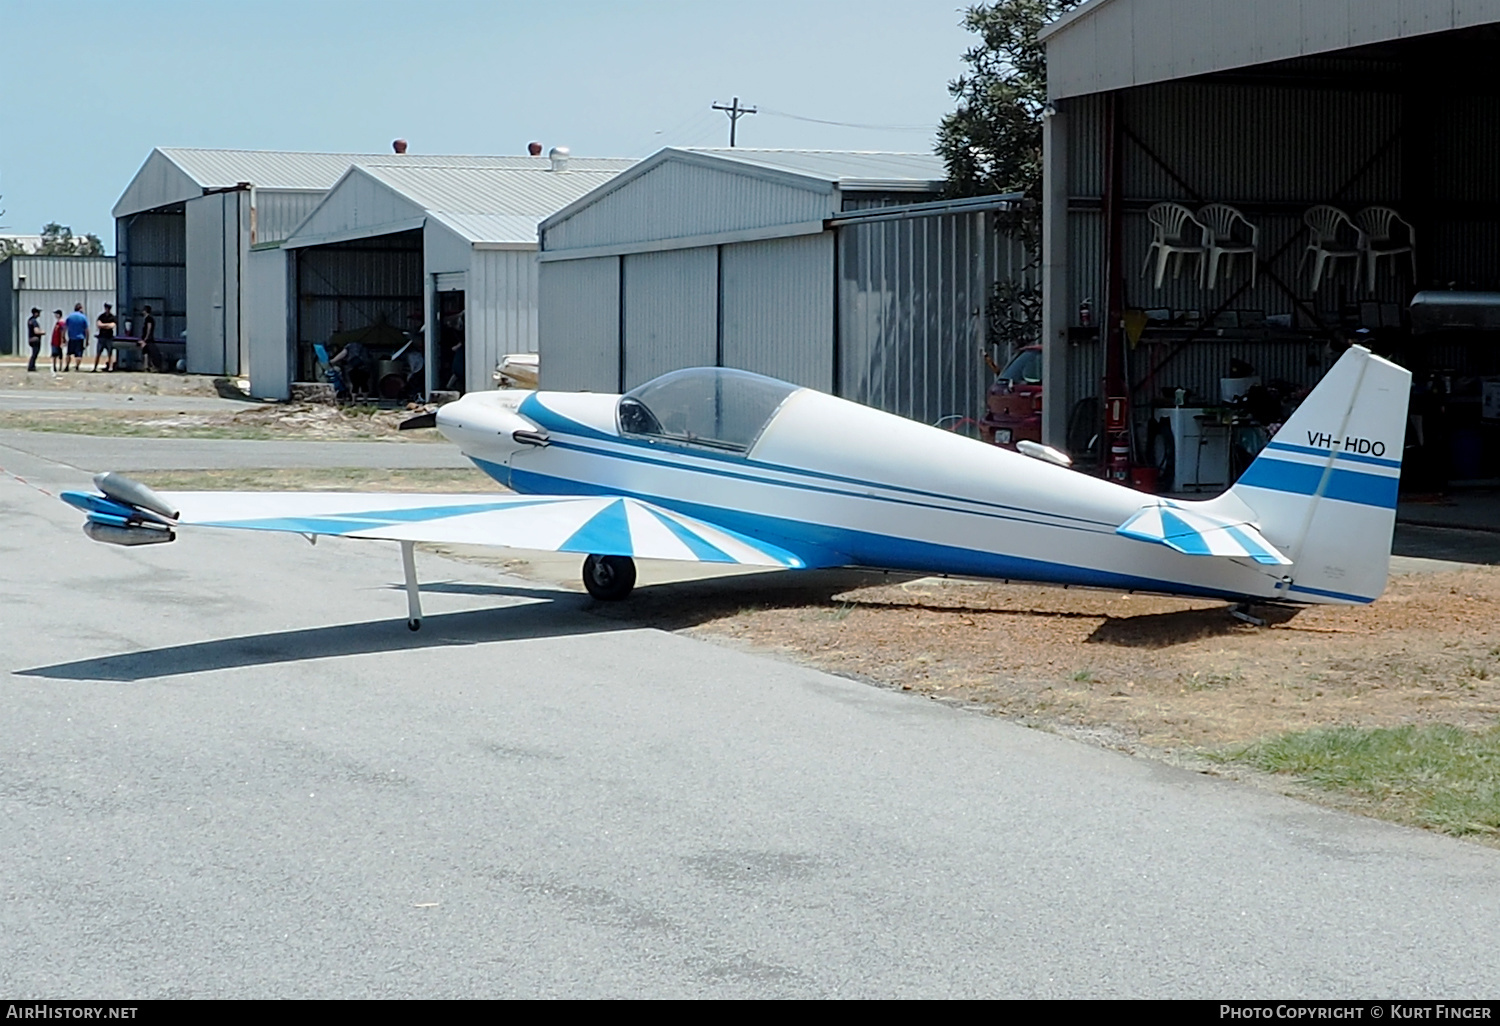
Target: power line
(847, 124)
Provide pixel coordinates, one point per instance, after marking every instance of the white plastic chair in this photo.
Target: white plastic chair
(1220, 219)
(1376, 226)
(1175, 233)
(1330, 228)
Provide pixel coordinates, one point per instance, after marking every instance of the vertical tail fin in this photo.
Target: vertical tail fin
(1324, 490)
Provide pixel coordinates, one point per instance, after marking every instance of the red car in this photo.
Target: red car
(1013, 407)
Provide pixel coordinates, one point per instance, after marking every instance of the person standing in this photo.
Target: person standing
(78, 336)
(104, 326)
(148, 327)
(34, 337)
(59, 331)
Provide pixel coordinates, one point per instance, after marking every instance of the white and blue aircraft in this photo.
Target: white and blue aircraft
(724, 466)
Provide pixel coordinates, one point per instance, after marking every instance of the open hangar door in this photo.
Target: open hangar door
(1406, 127)
(369, 292)
(151, 270)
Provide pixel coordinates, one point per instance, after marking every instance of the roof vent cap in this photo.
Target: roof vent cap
(559, 156)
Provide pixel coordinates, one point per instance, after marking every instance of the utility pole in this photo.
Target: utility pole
(735, 112)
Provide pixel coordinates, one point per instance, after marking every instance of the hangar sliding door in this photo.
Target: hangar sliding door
(218, 232)
(578, 325)
(778, 308)
(671, 312)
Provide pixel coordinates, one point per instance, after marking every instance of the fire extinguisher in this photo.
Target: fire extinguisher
(1117, 431)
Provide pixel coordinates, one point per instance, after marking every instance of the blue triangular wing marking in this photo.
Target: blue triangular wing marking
(606, 533)
(1182, 536)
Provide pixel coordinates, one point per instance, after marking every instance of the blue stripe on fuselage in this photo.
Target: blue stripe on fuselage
(739, 465)
(821, 545)
(743, 471)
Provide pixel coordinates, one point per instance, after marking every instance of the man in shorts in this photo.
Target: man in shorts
(104, 327)
(78, 336)
(34, 337)
(59, 332)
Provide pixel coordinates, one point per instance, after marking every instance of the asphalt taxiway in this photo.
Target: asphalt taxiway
(228, 770)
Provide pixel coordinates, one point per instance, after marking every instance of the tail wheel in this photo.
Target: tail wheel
(609, 578)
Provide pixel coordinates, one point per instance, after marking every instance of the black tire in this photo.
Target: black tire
(609, 578)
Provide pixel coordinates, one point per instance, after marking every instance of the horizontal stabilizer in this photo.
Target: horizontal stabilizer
(1201, 534)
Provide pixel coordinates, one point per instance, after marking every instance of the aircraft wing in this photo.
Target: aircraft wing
(594, 525)
(1201, 534)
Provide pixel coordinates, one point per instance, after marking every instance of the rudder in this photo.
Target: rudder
(1323, 491)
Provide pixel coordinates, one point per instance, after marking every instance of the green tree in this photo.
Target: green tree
(992, 142)
(11, 247)
(58, 240)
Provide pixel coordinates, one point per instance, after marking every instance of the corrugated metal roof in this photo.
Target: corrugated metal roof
(685, 192)
(487, 205)
(278, 169)
(174, 174)
(847, 169)
(1104, 45)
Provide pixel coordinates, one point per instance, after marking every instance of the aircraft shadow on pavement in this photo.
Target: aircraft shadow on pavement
(557, 614)
(560, 616)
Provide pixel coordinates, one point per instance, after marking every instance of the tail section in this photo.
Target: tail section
(1324, 490)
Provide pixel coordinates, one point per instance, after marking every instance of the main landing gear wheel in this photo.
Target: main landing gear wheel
(609, 578)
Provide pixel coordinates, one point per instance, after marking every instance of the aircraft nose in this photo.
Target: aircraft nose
(476, 421)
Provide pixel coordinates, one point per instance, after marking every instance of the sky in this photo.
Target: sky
(91, 87)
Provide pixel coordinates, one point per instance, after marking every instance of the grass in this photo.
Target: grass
(1439, 776)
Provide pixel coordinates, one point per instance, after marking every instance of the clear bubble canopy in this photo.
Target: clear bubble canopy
(710, 406)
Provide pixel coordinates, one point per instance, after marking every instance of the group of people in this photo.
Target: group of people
(70, 337)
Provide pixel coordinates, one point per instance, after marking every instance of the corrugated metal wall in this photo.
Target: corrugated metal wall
(909, 299)
(913, 295)
(351, 285)
(278, 212)
(61, 274)
(268, 324)
(500, 305)
(13, 324)
(151, 267)
(777, 315)
(671, 312)
(702, 201)
(218, 233)
(579, 325)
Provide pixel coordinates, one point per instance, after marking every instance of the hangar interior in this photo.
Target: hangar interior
(839, 271)
(398, 245)
(1321, 132)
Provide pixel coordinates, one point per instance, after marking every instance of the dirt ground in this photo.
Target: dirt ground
(13, 375)
(257, 421)
(1170, 674)
(250, 419)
